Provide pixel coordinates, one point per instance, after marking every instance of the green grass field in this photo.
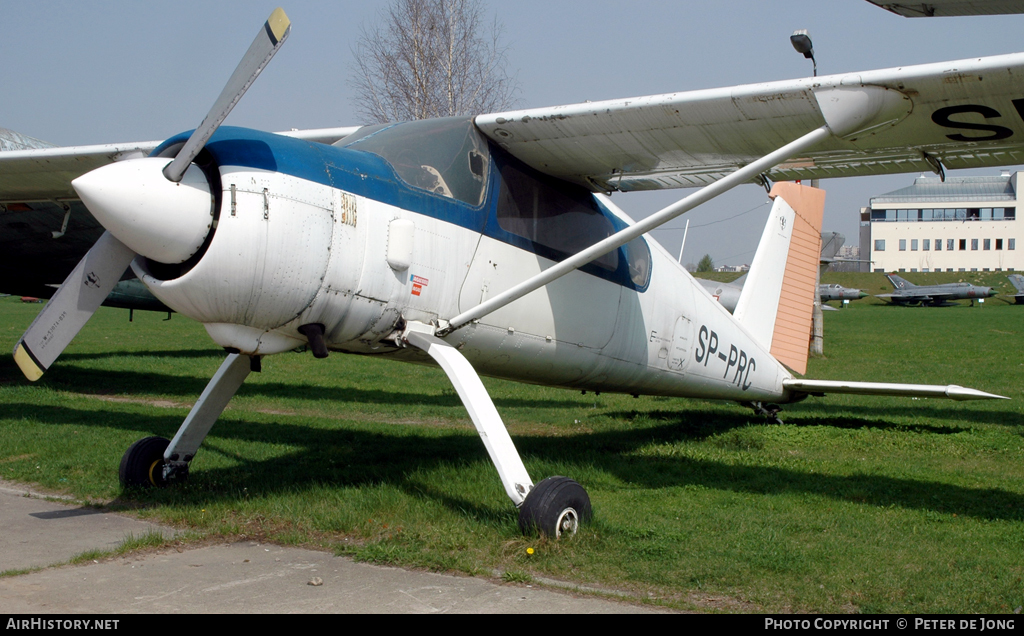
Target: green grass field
(855, 504)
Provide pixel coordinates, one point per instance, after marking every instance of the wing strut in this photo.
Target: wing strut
(620, 238)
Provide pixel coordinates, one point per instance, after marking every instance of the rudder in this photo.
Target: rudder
(778, 298)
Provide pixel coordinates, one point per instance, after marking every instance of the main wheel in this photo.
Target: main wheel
(143, 463)
(555, 507)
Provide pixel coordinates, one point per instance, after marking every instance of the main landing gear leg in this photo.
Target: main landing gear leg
(154, 461)
(554, 507)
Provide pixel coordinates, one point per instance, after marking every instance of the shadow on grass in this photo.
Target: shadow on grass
(854, 422)
(174, 353)
(354, 457)
(855, 416)
(189, 388)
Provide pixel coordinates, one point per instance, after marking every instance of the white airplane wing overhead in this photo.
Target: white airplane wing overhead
(46, 173)
(964, 114)
(937, 8)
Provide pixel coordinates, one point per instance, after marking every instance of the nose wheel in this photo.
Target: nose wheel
(142, 465)
(555, 507)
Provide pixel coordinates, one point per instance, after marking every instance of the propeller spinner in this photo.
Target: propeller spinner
(162, 210)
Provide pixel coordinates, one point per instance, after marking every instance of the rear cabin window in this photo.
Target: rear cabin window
(564, 218)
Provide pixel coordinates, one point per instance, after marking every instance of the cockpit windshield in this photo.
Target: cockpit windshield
(445, 156)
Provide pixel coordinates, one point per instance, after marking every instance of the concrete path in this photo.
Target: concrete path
(241, 577)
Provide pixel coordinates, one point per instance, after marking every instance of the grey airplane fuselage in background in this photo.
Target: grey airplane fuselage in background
(907, 293)
(838, 292)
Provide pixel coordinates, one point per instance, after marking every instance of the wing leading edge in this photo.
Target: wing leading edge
(964, 114)
(45, 174)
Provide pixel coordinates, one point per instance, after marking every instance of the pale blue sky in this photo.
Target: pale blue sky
(95, 72)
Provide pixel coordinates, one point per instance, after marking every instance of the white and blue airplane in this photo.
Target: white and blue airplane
(491, 245)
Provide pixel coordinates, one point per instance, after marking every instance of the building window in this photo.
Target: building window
(1011, 244)
(963, 245)
(938, 245)
(1009, 214)
(879, 245)
(913, 245)
(999, 244)
(974, 245)
(986, 244)
(949, 245)
(903, 245)
(926, 244)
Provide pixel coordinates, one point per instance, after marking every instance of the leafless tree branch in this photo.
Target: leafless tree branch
(431, 58)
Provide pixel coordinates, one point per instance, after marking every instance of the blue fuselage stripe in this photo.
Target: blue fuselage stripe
(367, 175)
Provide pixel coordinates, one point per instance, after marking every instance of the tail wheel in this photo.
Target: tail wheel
(143, 463)
(555, 507)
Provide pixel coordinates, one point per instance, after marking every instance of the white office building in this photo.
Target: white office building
(966, 224)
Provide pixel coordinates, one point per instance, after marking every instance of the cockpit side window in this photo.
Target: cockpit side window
(448, 156)
(552, 213)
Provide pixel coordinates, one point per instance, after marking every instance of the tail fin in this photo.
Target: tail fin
(778, 297)
(899, 283)
(1018, 281)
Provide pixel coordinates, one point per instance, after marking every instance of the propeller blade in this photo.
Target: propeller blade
(267, 42)
(72, 305)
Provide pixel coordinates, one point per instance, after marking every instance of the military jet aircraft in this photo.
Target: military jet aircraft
(489, 244)
(907, 293)
(729, 293)
(838, 292)
(1018, 282)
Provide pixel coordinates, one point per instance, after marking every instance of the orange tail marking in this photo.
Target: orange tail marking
(792, 334)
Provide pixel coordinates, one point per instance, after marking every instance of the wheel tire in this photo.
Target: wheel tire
(142, 464)
(555, 508)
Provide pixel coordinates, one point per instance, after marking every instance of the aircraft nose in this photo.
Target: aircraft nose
(157, 218)
(862, 295)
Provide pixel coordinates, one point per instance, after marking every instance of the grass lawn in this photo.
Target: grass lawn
(855, 504)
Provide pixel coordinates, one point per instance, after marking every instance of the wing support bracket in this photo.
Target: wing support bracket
(481, 410)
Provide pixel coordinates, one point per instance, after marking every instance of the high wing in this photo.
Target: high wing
(46, 174)
(939, 8)
(961, 114)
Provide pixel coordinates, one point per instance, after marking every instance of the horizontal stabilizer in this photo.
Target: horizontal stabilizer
(951, 391)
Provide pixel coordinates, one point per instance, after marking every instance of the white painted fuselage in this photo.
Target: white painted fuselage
(361, 267)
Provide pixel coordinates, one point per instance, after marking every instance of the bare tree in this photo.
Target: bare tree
(431, 58)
